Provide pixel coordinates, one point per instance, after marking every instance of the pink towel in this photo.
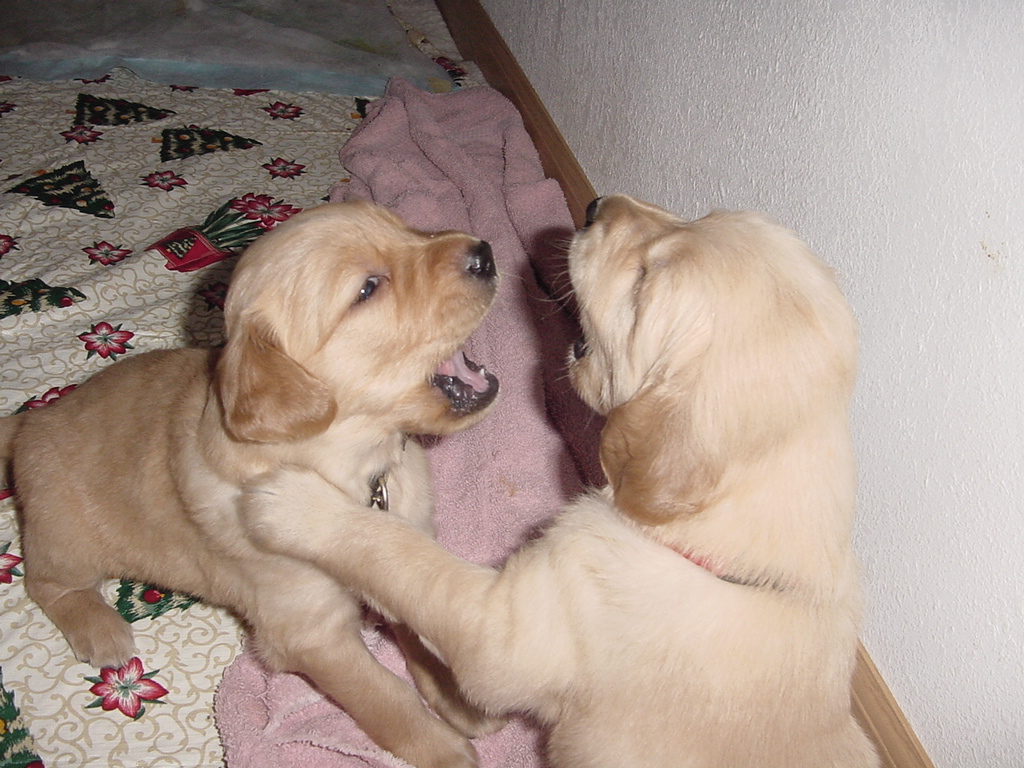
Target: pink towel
(453, 161)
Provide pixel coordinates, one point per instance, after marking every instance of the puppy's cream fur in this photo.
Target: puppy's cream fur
(336, 321)
(703, 608)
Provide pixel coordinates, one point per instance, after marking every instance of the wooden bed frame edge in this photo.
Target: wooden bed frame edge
(478, 40)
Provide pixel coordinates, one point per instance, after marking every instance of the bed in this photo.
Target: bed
(134, 167)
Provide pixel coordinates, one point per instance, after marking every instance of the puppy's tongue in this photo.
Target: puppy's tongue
(457, 367)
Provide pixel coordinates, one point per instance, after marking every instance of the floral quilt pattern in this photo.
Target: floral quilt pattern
(123, 206)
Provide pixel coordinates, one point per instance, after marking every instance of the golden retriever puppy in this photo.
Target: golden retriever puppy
(344, 330)
(702, 609)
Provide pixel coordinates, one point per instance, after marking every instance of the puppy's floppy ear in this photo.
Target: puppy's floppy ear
(267, 396)
(657, 468)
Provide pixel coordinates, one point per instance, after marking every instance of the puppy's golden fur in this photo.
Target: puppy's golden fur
(337, 321)
(702, 609)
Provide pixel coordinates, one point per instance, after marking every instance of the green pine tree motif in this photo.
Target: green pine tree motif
(137, 601)
(34, 295)
(17, 750)
(228, 229)
(70, 186)
(192, 140)
(93, 110)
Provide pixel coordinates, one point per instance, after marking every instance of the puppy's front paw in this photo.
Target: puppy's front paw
(290, 510)
(294, 511)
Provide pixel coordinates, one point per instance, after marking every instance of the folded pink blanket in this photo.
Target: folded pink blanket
(453, 161)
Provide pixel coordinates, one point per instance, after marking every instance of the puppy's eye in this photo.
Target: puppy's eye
(580, 348)
(369, 287)
(591, 213)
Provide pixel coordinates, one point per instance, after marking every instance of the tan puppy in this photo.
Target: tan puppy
(343, 327)
(702, 609)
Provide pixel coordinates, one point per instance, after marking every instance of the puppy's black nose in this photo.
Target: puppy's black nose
(480, 262)
(591, 213)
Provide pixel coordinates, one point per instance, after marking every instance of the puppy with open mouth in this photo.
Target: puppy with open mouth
(702, 609)
(344, 336)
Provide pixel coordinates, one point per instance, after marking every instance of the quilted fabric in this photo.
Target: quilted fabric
(123, 204)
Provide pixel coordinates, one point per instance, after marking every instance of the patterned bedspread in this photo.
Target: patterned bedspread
(122, 206)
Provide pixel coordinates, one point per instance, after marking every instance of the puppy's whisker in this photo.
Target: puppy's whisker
(563, 297)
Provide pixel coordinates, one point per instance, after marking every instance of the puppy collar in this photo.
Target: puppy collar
(379, 491)
(379, 485)
(756, 582)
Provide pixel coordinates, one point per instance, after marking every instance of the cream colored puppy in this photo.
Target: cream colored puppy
(343, 328)
(703, 608)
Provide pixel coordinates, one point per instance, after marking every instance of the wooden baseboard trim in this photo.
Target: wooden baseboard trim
(479, 40)
(881, 717)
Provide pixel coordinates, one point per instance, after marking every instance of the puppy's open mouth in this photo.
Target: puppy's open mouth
(468, 386)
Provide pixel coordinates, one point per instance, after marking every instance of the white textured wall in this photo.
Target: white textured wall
(891, 135)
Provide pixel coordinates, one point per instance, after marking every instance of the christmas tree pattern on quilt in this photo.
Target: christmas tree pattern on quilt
(137, 601)
(70, 186)
(17, 750)
(179, 143)
(93, 110)
(34, 295)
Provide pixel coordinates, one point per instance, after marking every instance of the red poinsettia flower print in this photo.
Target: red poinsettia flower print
(263, 210)
(7, 244)
(83, 134)
(8, 564)
(280, 168)
(281, 111)
(165, 180)
(105, 253)
(126, 689)
(49, 396)
(106, 340)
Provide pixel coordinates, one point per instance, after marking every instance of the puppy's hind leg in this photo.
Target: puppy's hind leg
(97, 634)
(63, 575)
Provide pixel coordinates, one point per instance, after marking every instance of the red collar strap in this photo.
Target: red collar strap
(709, 565)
